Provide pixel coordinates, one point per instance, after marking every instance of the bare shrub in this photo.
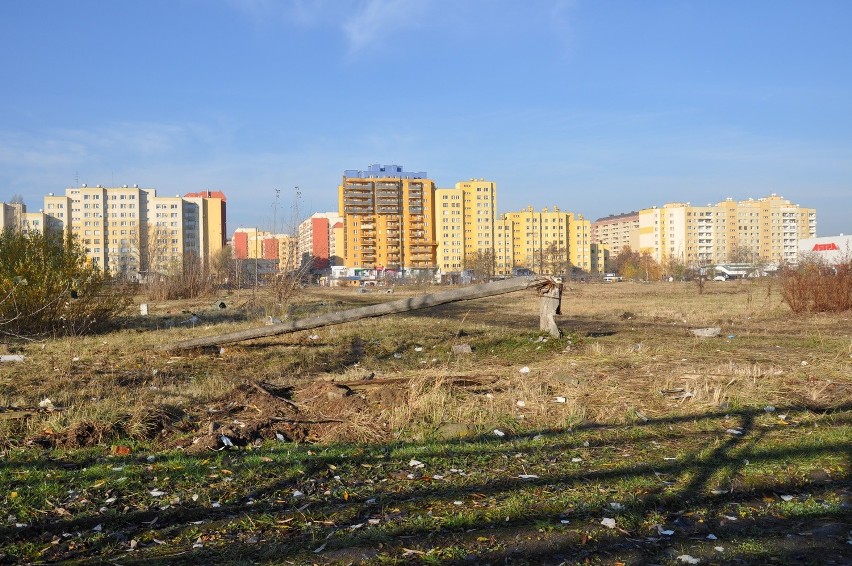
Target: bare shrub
(189, 278)
(814, 286)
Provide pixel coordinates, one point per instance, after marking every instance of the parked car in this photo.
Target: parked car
(720, 278)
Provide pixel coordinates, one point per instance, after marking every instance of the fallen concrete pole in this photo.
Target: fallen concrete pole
(382, 309)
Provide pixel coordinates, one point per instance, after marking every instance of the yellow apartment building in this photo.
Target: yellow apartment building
(765, 229)
(131, 231)
(549, 241)
(388, 218)
(465, 221)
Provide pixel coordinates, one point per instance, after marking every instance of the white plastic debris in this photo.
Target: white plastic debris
(313, 337)
(559, 400)
(226, 441)
(719, 548)
(711, 536)
(12, 358)
(297, 493)
(616, 506)
(46, 404)
(734, 431)
(769, 409)
(520, 403)
(528, 476)
(687, 559)
(787, 497)
(418, 348)
(608, 523)
(498, 432)
(98, 528)
(524, 369)
(416, 464)
(576, 460)
(664, 532)
(156, 493)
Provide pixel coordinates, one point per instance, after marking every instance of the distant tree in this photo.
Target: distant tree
(555, 259)
(481, 263)
(626, 263)
(16, 199)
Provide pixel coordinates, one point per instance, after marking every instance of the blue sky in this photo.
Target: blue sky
(599, 107)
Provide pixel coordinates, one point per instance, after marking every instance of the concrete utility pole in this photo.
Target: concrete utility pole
(548, 288)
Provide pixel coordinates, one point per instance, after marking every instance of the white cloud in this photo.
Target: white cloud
(377, 19)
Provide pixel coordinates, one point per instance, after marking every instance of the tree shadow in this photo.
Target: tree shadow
(718, 445)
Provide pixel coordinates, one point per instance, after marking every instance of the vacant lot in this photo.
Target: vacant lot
(629, 440)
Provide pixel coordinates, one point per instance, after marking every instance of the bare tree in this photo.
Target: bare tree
(481, 263)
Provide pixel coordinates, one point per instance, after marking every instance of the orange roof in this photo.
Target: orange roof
(207, 194)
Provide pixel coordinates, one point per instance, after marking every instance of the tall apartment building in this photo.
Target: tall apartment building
(545, 242)
(132, 231)
(766, 229)
(617, 231)
(465, 220)
(388, 218)
(316, 235)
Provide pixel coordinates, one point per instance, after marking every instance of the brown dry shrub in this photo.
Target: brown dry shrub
(815, 286)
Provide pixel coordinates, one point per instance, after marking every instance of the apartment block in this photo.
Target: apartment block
(316, 235)
(254, 244)
(765, 229)
(549, 241)
(388, 218)
(617, 231)
(131, 231)
(14, 216)
(465, 220)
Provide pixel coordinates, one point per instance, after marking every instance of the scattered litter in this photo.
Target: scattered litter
(416, 464)
(734, 431)
(669, 458)
(296, 493)
(498, 432)
(616, 506)
(150, 458)
(528, 476)
(711, 536)
(731, 336)
(665, 532)
(787, 497)
(98, 528)
(195, 497)
(718, 491)
(608, 523)
(12, 358)
(560, 400)
(564, 521)
(687, 559)
(320, 548)
(729, 517)
(157, 493)
(458, 502)
(46, 404)
(576, 460)
(520, 403)
(719, 548)
(313, 337)
(769, 409)
(804, 363)
(280, 437)
(226, 442)
(418, 348)
(524, 369)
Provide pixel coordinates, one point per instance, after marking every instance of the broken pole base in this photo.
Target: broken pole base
(550, 305)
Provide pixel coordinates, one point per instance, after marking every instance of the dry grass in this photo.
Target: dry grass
(628, 356)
